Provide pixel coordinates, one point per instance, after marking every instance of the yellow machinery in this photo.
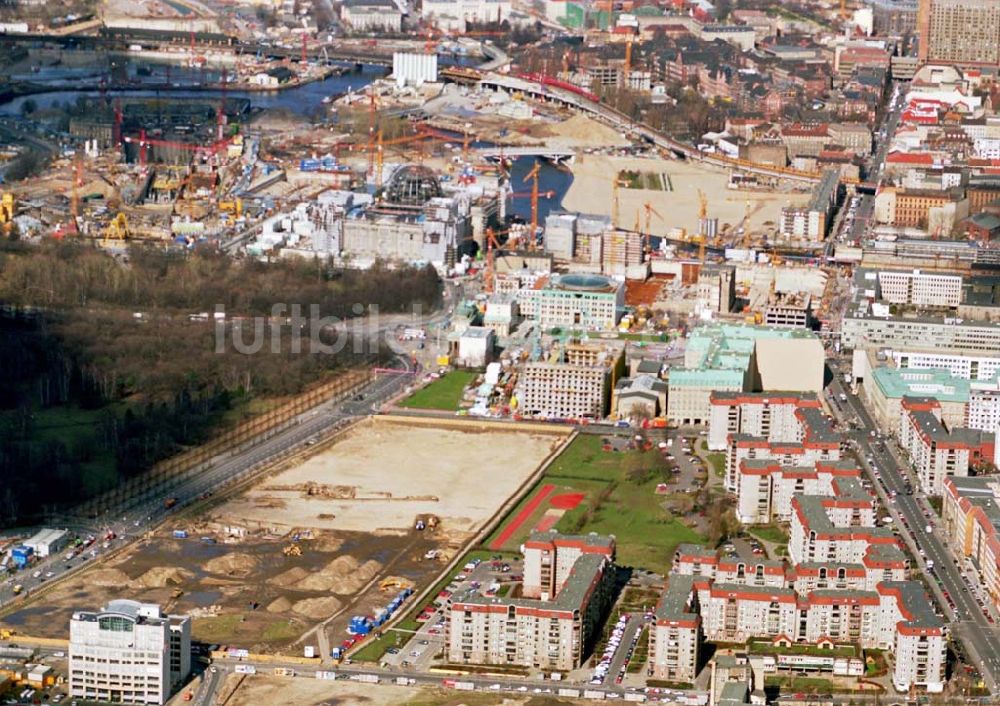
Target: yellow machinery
(394, 582)
(7, 212)
(702, 215)
(292, 550)
(235, 207)
(117, 229)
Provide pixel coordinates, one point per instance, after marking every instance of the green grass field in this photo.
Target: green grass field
(444, 393)
(718, 461)
(646, 533)
(769, 533)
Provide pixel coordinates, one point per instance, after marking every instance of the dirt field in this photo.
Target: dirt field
(257, 690)
(591, 192)
(379, 478)
(271, 566)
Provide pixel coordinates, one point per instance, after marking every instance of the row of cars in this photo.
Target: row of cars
(614, 641)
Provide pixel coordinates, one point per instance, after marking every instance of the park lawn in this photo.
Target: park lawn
(444, 393)
(645, 534)
(584, 458)
(769, 533)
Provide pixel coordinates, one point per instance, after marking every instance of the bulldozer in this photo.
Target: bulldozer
(394, 582)
(292, 550)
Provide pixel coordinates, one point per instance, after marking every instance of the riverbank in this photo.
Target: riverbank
(677, 197)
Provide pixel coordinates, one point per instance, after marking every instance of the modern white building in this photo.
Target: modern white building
(918, 288)
(128, 652)
(413, 69)
(454, 15)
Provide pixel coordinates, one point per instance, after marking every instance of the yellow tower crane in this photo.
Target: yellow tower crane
(533, 175)
(702, 215)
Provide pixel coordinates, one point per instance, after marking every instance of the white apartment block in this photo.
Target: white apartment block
(549, 558)
(128, 652)
(765, 488)
(983, 411)
(935, 451)
(836, 529)
(675, 635)
(769, 415)
(923, 289)
(543, 634)
(736, 613)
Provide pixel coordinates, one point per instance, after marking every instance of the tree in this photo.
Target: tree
(28, 107)
(722, 523)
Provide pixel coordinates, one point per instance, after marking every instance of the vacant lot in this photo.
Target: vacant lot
(381, 476)
(444, 393)
(312, 544)
(258, 690)
(591, 192)
(592, 490)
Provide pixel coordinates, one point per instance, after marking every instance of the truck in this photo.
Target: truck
(284, 672)
(245, 669)
(309, 652)
(366, 678)
(330, 676)
(169, 503)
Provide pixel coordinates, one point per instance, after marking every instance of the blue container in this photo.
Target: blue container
(180, 534)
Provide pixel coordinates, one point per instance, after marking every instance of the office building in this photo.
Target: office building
(959, 32)
(919, 288)
(886, 387)
(894, 18)
(739, 358)
(590, 302)
(573, 383)
(128, 652)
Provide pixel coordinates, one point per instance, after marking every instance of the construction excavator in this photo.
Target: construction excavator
(394, 582)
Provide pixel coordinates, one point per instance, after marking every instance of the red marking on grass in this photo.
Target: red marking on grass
(567, 501)
(527, 511)
(547, 522)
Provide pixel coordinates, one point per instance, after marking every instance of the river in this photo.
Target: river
(305, 100)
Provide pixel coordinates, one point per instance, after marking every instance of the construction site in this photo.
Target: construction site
(341, 534)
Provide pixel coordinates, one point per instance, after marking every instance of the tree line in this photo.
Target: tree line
(137, 389)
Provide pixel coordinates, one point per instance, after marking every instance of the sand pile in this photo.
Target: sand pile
(235, 564)
(279, 605)
(317, 608)
(108, 577)
(581, 130)
(342, 575)
(162, 576)
(290, 577)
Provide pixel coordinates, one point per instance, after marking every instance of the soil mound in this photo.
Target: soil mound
(290, 577)
(317, 608)
(235, 564)
(279, 605)
(161, 577)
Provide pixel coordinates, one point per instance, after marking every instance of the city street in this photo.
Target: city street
(982, 640)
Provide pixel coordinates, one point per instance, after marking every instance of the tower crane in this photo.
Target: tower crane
(702, 214)
(492, 246)
(650, 212)
(533, 176)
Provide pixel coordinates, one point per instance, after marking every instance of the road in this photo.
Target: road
(141, 514)
(980, 639)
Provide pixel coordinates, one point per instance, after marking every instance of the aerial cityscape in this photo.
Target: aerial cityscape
(482, 352)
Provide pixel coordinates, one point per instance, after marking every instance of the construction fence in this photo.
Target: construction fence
(177, 470)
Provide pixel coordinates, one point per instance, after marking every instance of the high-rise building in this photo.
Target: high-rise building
(959, 32)
(128, 652)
